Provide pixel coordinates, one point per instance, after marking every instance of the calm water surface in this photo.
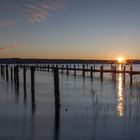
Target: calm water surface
(90, 109)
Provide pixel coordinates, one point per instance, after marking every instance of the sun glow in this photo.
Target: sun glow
(120, 59)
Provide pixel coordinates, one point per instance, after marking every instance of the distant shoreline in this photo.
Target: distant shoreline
(60, 61)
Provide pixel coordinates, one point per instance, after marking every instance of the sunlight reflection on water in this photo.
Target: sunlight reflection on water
(120, 107)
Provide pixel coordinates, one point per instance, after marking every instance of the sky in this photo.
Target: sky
(70, 29)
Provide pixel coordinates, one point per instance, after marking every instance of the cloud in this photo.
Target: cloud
(12, 46)
(31, 10)
(4, 23)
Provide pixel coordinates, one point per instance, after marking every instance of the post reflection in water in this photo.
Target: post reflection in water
(120, 106)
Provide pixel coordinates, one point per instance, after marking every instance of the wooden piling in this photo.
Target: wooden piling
(74, 70)
(32, 78)
(56, 87)
(16, 76)
(11, 69)
(2, 71)
(91, 72)
(67, 69)
(83, 71)
(1, 68)
(24, 76)
(62, 69)
(7, 73)
(115, 69)
(101, 73)
(94, 67)
(124, 71)
(48, 68)
(131, 75)
(32, 69)
(17, 69)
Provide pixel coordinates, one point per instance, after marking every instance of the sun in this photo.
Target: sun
(120, 59)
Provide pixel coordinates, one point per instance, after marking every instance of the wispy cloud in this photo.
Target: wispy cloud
(31, 10)
(12, 46)
(4, 23)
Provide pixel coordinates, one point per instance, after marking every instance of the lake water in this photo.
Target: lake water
(90, 109)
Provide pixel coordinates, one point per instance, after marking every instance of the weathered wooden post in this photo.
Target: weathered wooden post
(91, 72)
(24, 76)
(112, 70)
(52, 67)
(124, 71)
(115, 73)
(56, 88)
(16, 76)
(32, 79)
(17, 71)
(11, 74)
(7, 73)
(74, 70)
(94, 67)
(1, 68)
(87, 66)
(101, 73)
(32, 68)
(67, 68)
(48, 68)
(131, 75)
(62, 69)
(83, 71)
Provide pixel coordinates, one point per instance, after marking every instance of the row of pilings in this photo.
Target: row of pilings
(14, 75)
(62, 68)
(11, 72)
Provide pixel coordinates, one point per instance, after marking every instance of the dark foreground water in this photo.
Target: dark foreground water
(90, 109)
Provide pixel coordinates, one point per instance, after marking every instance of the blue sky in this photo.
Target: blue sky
(84, 29)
